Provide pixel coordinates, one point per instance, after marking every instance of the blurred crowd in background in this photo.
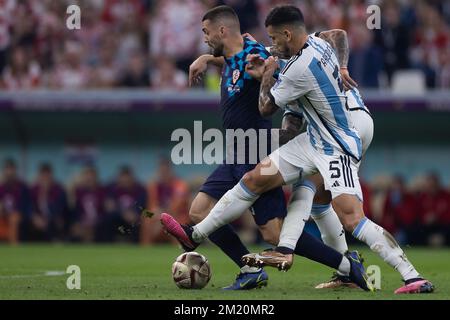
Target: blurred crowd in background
(150, 43)
(87, 210)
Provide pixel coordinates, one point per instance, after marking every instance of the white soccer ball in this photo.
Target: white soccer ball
(191, 270)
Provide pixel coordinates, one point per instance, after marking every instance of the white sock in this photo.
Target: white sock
(230, 207)
(297, 214)
(383, 243)
(344, 267)
(331, 229)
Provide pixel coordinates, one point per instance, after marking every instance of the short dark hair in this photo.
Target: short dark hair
(282, 15)
(220, 12)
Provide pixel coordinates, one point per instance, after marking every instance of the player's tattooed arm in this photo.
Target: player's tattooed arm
(338, 40)
(276, 53)
(290, 127)
(267, 106)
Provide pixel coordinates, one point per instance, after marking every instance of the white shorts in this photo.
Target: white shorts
(364, 125)
(298, 159)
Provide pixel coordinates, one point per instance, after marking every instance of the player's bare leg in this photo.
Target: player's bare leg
(200, 207)
(270, 231)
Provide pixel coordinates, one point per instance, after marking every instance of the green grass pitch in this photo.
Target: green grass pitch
(133, 272)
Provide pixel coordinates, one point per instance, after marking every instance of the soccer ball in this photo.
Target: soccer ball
(191, 270)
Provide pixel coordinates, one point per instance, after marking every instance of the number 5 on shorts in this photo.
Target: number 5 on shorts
(334, 167)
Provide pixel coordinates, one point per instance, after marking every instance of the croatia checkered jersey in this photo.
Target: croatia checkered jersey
(240, 92)
(311, 79)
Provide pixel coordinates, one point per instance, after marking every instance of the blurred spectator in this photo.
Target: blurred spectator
(434, 203)
(89, 206)
(120, 11)
(247, 12)
(394, 38)
(71, 73)
(14, 203)
(166, 76)
(49, 207)
(444, 75)
(126, 197)
(7, 8)
(21, 73)
(431, 38)
(137, 72)
(51, 33)
(24, 25)
(166, 193)
(401, 212)
(362, 54)
(133, 38)
(105, 73)
(175, 30)
(91, 34)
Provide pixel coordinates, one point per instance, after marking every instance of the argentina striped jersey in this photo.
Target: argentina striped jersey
(312, 80)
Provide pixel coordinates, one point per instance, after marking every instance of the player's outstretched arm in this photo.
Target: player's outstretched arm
(338, 40)
(267, 106)
(198, 68)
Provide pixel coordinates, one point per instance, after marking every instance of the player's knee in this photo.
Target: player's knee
(322, 196)
(350, 221)
(253, 182)
(197, 216)
(349, 210)
(250, 181)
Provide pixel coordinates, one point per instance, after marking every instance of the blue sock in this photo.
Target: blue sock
(227, 240)
(312, 248)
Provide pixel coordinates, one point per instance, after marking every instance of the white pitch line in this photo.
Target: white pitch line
(50, 273)
(54, 273)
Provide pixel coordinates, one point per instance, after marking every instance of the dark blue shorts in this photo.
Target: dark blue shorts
(271, 204)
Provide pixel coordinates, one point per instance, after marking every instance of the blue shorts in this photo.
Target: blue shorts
(270, 205)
